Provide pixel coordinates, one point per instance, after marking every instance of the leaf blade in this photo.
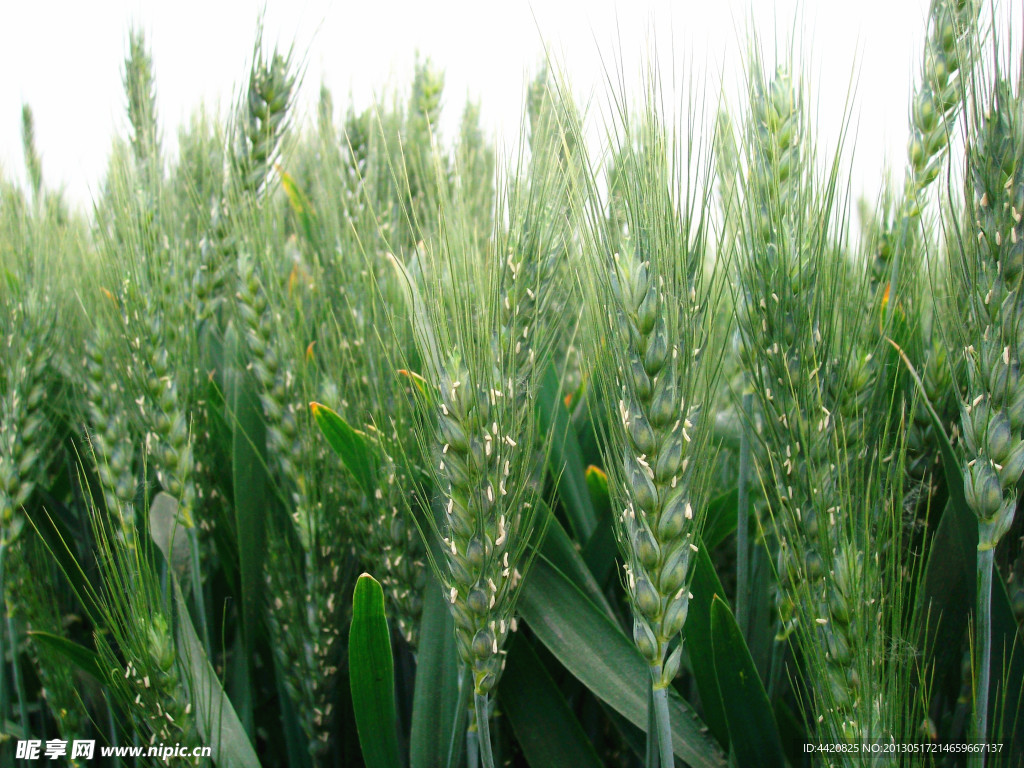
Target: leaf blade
(596, 652)
(371, 675)
(216, 718)
(350, 444)
(545, 727)
(435, 697)
(754, 735)
(565, 458)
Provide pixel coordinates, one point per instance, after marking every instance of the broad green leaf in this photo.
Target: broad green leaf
(351, 445)
(754, 736)
(601, 549)
(596, 651)
(437, 683)
(947, 594)
(84, 659)
(301, 207)
(565, 459)
(165, 527)
(721, 518)
(251, 492)
(1006, 715)
(371, 674)
(705, 586)
(560, 551)
(597, 484)
(216, 719)
(949, 580)
(950, 464)
(545, 727)
(218, 723)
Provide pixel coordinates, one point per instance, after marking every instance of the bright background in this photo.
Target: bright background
(65, 60)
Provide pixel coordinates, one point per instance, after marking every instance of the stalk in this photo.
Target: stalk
(459, 734)
(651, 753)
(111, 721)
(659, 696)
(19, 684)
(986, 559)
(483, 730)
(4, 704)
(7, 624)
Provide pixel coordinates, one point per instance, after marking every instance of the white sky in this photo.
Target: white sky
(65, 59)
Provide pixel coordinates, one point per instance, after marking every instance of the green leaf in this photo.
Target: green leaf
(947, 597)
(85, 659)
(949, 590)
(251, 491)
(597, 484)
(351, 445)
(950, 464)
(721, 518)
(1007, 681)
(217, 721)
(371, 671)
(301, 207)
(754, 736)
(705, 586)
(601, 549)
(949, 579)
(560, 551)
(565, 459)
(545, 727)
(596, 651)
(165, 528)
(435, 698)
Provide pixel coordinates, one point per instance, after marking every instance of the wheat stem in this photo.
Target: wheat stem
(483, 730)
(651, 759)
(472, 749)
(659, 696)
(459, 731)
(986, 561)
(19, 683)
(4, 703)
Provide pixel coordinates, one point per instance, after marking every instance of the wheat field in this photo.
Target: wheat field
(331, 440)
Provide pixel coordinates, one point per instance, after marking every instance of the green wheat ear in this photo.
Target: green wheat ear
(478, 310)
(264, 117)
(140, 88)
(993, 412)
(648, 306)
(990, 281)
